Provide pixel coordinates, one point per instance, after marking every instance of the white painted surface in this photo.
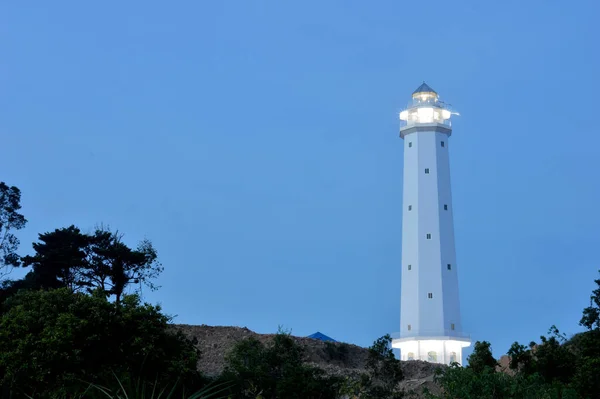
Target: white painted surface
(435, 323)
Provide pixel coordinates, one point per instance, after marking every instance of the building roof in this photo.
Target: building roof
(321, 337)
(424, 88)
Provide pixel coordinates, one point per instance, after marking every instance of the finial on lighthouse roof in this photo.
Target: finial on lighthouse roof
(424, 89)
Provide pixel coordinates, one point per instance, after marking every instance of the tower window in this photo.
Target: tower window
(443, 144)
(410, 144)
(409, 267)
(409, 327)
(452, 326)
(410, 207)
(449, 266)
(428, 236)
(426, 171)
(430, 295)
(445, 207)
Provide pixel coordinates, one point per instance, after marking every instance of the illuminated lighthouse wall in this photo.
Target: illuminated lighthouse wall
(430, 323)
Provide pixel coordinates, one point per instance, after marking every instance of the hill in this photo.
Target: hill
(214, 342)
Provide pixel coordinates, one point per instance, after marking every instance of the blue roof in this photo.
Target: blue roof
(424, 88)
(322, 337)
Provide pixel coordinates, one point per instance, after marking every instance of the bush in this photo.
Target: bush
(481, 359)
(336, 351)
(276, 370)
(384, 371)
(57, 342)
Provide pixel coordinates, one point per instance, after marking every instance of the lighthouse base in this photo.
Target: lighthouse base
(441, 350)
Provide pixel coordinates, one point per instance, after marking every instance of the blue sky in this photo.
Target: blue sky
(256, 144)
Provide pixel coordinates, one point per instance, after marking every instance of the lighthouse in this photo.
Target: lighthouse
(430, 323)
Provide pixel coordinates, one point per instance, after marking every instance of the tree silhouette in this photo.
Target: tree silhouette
(71, 259)
(10, 220)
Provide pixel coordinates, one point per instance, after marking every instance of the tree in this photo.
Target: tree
(481, 358)
(59, 260)
(555, 362)
(586, 348)
(276, 370)
(538, 373)
(10, 220)
(556, 367)
(69, 258)
(113, 266)
(585, 378)
(384, 370)
(591, 314)
(58, 341)
(466, 383)
(521, 359)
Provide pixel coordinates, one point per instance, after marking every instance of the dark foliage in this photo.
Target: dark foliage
(466, 383)
(591, 314)
(586, 348)
(481, 358)
(58, 341)
(521, 359)
(69, 258)
(556, 367)
(276, 370)
(59, 260)
(554, 361)
(336, 351)
(384, 370)
(10, 220)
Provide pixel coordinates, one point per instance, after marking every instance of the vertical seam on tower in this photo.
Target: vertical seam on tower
(417, 260)
(439, 221)
(457, 321)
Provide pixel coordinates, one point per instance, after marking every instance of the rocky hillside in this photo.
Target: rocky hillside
(214, 342)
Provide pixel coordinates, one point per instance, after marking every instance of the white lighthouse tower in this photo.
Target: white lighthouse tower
(430, 325)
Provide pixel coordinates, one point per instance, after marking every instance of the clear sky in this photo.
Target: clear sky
(256, 144)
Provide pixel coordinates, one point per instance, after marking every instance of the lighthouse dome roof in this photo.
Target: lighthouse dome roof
(424, 88)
